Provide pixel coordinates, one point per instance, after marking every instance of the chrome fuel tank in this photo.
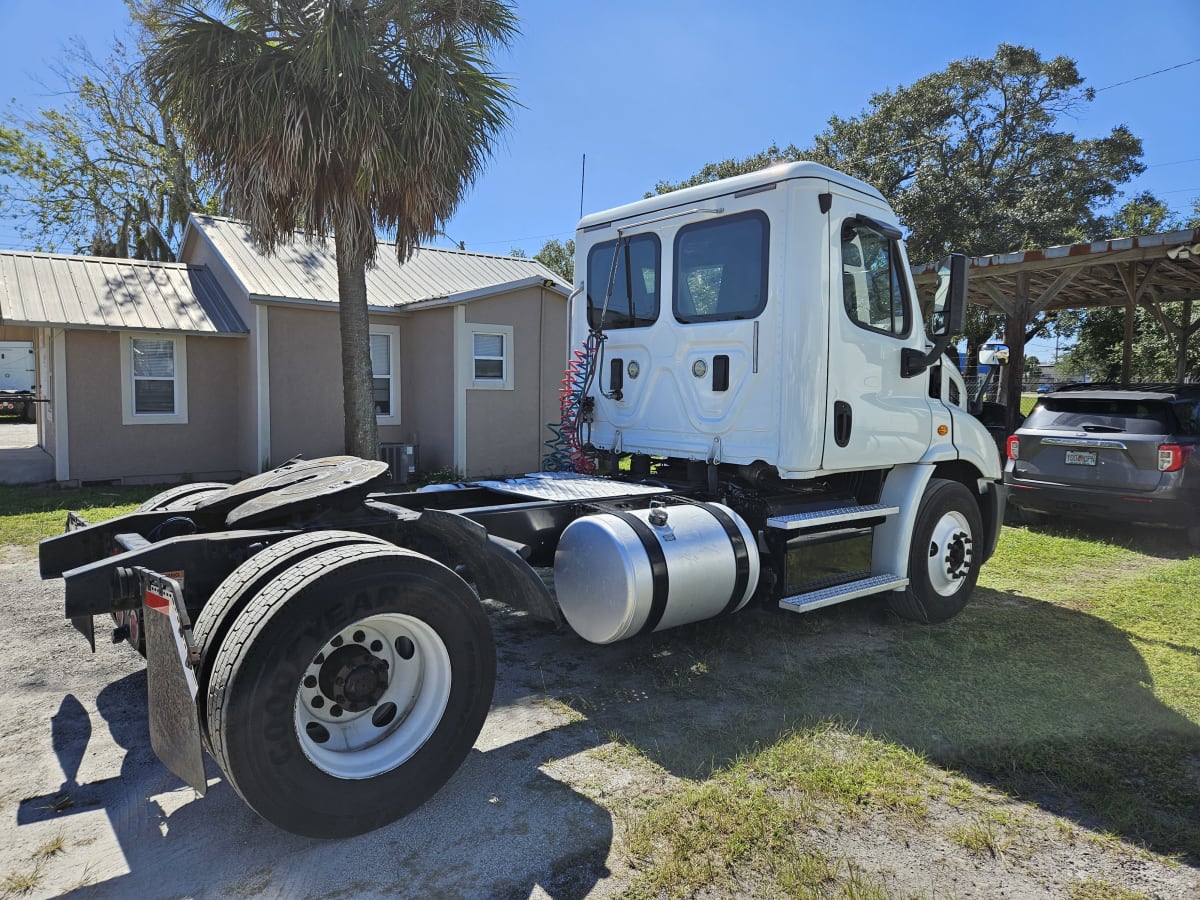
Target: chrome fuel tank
(623, 573)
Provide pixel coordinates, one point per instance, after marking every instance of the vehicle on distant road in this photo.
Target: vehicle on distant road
(1112, 452)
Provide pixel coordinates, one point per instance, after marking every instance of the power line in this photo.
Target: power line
(1148, 74)
(1177, 162)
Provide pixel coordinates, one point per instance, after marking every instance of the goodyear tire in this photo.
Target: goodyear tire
(182, 497)
(240, 586)
(943, 565)
(350, 689)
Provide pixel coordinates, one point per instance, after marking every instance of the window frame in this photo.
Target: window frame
(638, 322)
(129, 416)
(895, 276)
(392, 333)
(764, 271)
(505, 383)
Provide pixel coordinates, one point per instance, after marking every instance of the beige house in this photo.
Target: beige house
(228, 362)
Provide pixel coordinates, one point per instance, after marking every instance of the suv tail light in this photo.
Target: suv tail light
(1014, 449)
(1171, 457)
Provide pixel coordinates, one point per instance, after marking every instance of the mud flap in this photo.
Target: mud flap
(499, 571)
(171, 681)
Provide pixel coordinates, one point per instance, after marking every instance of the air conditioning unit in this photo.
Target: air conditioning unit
(402, 460)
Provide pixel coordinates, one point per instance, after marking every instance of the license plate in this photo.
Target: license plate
(1081, 457)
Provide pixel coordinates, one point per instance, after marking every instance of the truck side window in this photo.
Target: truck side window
(872, 289)
(634, 300)
(721, 268)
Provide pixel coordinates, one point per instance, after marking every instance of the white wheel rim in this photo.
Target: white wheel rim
(951, 553)
(394, 684)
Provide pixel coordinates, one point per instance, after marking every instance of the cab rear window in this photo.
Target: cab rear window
(1109, 415)
(625, 295)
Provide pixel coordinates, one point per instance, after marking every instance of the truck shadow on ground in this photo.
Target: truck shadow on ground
(1047, 704)
(499, 828)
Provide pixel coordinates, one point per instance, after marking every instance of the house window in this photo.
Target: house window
(385, 371)
(489, 357)
(153, 380)
(153, 377)
(490, 360)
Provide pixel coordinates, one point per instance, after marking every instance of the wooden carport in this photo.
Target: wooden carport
(1147, 271)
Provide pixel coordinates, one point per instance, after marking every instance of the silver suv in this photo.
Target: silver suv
(1105, 451)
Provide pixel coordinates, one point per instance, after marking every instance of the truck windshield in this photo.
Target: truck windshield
(635, 291)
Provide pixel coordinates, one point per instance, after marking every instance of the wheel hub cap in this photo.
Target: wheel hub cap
(354, 678)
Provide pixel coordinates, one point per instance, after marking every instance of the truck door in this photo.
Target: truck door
(874, 418)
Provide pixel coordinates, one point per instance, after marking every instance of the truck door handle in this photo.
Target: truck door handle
(720, 380)
(843, 421)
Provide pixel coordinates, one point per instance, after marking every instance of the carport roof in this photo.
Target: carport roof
(92, 292)
(1156, 268)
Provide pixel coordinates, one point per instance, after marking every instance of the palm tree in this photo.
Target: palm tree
(340, 117)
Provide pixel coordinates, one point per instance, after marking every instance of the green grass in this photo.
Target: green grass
(29, 513)
(1071, 682)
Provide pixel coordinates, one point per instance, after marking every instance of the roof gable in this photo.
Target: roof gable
(306, 270)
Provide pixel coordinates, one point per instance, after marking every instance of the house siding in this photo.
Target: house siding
(427, 385)
(306, 383)
(506, 430)
(102, 449)
(199, 251)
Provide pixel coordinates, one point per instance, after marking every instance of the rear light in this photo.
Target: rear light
(1171, 457)
(1014, 448)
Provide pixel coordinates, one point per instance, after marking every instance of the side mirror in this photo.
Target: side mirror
(948, 318)
(950, 299)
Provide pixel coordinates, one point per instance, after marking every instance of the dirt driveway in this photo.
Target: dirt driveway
(540, 809)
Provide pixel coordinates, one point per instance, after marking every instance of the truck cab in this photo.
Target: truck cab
(764, 320)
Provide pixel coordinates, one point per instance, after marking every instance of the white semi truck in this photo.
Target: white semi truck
(753, 412)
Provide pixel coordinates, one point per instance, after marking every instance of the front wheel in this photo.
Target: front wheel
(350, 689)
(943, 564)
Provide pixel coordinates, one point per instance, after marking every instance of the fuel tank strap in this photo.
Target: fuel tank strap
(658, 568)
(741, 556)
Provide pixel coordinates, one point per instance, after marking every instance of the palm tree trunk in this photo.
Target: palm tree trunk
(361, 430)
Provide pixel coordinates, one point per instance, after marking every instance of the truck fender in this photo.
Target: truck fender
(904, 487)
(497, 565)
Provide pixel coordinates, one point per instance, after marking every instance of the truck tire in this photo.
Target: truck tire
(30, 412)
(942, 564)
(350, 689)
(240, 586)
(182, 497)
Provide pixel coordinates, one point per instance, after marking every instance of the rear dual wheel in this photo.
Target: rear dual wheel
(349, 689)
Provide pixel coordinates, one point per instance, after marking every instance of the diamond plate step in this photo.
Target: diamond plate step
(796, 521)
(831, 595)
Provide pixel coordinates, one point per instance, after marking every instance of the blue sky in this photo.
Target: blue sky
(653, 90)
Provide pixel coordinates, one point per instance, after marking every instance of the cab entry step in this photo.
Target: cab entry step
(842, 592)
(814, 518)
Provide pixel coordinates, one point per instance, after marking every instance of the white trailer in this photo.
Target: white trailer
(18, 380)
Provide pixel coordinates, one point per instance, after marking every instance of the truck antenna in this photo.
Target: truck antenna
(582, 176)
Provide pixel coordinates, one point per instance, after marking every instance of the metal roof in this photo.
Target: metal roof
(1156, 268)
(51, 290)
(306, 270)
